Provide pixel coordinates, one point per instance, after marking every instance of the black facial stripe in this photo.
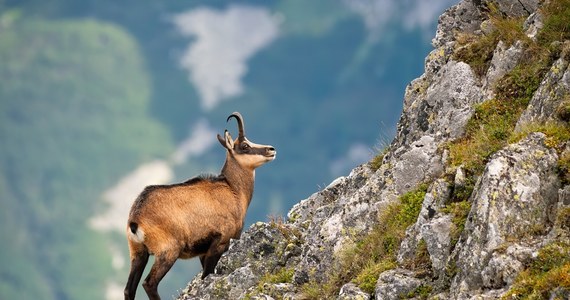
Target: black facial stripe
(253, 151)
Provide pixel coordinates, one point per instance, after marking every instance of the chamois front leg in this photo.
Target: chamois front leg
(210, 260)
(202, 261)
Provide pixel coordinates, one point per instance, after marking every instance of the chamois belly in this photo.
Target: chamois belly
(200, 246)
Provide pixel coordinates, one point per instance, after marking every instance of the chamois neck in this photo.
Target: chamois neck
(241, 180)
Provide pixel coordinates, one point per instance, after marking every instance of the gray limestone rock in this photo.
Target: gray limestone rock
(513, 200)
(436, 234)
(533, 24)
(350, 291)
(396, 284)
(442, 111)
(463, 17)
(417, 163)
(552, 91)
(503, 61)
(504, 266)
(232, 286)
(436, 197)
(517, 8)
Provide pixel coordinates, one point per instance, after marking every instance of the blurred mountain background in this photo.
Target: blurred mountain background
(99, 98)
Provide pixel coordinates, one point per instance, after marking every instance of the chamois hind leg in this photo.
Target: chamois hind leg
(162, 264)
(139, 259)
(217, 248)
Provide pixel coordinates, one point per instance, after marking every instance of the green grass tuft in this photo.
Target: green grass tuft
(487, 132)
(477, 50)
(421, 292)
(459, 212)
(375, 252)
(557, 22)
(548, 272)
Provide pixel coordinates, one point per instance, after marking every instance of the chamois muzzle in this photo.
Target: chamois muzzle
(270, 152)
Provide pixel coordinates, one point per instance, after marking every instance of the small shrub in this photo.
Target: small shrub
(520, 83)
(486, 132)
(459, 212)
(548, 272)
(282, 275)
(477, 51)
(313, 290)
(556, 22)
(376, 161)
(421, 262)
(411, 205)
(367, 278)
(557, 133)
(421, 292)
(563, 218)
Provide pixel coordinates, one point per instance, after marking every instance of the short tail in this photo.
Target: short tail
(135, 233)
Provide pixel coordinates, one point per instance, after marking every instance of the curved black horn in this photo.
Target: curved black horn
(239, 119)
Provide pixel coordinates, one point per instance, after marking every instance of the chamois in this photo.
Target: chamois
(194, 218)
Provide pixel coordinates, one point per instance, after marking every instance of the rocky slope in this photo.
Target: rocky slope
(470, 200)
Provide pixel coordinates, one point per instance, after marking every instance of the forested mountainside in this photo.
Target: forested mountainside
(52, 117)
(471, 200)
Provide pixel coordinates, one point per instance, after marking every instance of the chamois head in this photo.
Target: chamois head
(248, 154)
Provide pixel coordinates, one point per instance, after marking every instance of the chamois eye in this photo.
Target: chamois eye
(245, 146)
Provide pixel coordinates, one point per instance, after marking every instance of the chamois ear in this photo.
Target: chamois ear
(227, 141)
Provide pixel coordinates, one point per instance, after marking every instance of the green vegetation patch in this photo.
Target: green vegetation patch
(376, 161)
(564, 167)
(281, 275)
(421, 292)
(421, 262)
(376, 252)
(493, 122)
(556, 23)
(563, 218)
(74, 118)
(487, 131)
(459, 212)
(477, 50)
(557, 135)
(550, 271)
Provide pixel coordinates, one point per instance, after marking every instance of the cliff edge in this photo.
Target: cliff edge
(471, 200)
